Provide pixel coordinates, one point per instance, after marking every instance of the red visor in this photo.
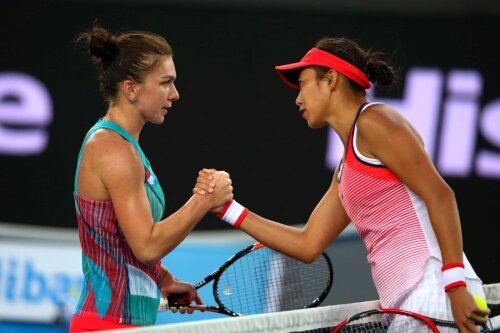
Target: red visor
(316, 57)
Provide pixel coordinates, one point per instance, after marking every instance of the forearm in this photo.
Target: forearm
(152, 241)
(444, 216)
(280, 237)
(170, 232)
(324, 225)
(166, 275)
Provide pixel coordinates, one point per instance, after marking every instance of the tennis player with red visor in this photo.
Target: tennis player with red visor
(385, 184)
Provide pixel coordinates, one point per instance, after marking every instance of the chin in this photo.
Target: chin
(158, 121)
(316, 125)
(310, 122)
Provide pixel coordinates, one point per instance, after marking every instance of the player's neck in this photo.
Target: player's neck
(342, 118)
(127, 119)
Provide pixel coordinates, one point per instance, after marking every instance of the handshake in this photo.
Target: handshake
(216, 190)
(216, 186)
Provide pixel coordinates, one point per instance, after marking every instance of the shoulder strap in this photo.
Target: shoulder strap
(351, 132)
(87, 137)
(349, 145)
(354, 124)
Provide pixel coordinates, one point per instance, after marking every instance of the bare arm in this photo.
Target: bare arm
(325, 223)
(117, 173)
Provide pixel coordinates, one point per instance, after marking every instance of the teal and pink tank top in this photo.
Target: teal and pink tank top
(117, 287)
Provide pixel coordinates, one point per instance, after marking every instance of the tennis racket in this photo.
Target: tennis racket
(260, 280)
(395, 320)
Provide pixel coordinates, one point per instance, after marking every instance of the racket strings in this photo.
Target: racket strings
(267, 281)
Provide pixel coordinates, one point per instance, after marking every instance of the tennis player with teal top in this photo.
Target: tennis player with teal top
(119, 201)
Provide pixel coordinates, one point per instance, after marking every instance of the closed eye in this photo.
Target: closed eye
(166, 80)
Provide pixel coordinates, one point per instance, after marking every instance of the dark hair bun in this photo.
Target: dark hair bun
(102, 45)
(378, 71)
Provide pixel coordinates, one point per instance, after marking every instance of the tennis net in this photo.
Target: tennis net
(304, 320)
(314, 320)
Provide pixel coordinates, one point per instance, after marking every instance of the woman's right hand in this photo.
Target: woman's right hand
(215, 186)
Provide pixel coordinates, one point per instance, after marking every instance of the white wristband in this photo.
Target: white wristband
(453, 276)
(233, 213)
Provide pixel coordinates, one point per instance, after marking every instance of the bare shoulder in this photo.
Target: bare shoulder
(381, 115)
(108, 151)
(380, 126)
(384, 120)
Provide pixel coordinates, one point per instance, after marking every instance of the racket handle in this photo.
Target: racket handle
(201, 308)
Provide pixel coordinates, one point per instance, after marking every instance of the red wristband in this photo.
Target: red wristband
(224, 210)
(233, 213)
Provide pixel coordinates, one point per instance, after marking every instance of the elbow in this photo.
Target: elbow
(310, 255)
(442, 197)
(149, 262)
(451, 193)
(147, 257)
(307, 249)
(446, 194)
(149, 251)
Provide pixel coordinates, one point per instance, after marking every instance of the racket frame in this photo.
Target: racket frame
(432, 323)
(215, 275)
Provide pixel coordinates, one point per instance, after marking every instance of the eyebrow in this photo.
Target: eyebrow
(171, 77)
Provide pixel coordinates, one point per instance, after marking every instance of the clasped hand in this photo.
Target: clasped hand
(217, 184)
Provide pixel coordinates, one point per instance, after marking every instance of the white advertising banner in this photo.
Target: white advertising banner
(40, 281)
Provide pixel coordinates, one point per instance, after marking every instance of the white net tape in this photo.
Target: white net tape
(280, 322)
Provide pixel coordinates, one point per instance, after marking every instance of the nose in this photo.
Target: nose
(298, 100)
(174, 94)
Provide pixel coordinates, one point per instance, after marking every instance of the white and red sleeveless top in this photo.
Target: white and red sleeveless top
(392, 221)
